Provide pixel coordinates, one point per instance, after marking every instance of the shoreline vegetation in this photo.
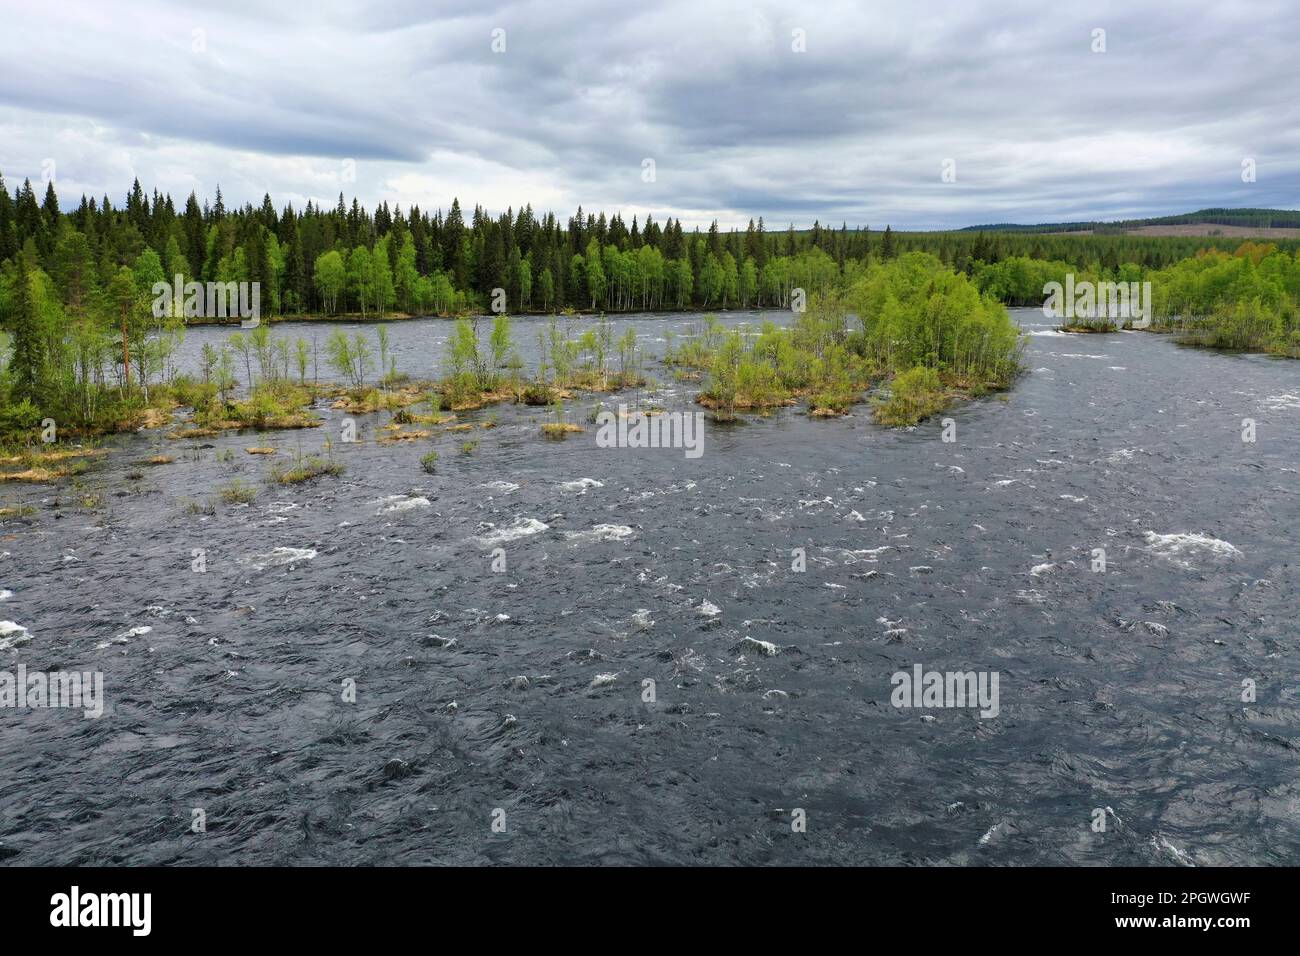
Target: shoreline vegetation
(908, 324)
(1245, 299)
(373, 318)
(910, 328)
(928, 340)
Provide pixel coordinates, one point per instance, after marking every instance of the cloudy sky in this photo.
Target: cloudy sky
(838, 111)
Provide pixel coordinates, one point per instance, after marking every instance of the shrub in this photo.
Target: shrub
(19, 418)
(305, 469)
(238, 493)
(915, 395)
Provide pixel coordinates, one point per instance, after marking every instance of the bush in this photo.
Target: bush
(915, 395)
(916, 311)
(18, 419)
(537, 393)
(238, 493)
(305, 469)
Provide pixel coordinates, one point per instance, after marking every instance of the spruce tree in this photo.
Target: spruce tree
(195, 248)
(8, 225)
(27, 364)
(31, 223)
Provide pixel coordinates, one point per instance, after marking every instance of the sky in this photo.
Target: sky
(917, 114)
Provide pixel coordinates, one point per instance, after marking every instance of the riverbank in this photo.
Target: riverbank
(825, 357)
(1198, 335)
(371, 319)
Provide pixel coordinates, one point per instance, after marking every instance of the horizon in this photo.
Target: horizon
(206, 201)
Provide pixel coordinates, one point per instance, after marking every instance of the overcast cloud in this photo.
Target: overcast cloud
(278, 98)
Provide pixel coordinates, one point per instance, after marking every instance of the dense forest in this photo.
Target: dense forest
(346, 259)
(82, 342)
(1250, 218)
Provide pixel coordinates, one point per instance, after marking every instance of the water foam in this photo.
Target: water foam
(581, 485)
(520, 528)
(11, 635)
(281, 556)
(395, 503)
(1178, 546)
(600, 532)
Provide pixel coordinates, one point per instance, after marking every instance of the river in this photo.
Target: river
(500, 716)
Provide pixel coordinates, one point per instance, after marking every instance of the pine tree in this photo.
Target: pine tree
(195, 245)
(121, 305)
(74, 270)
(260, 268)
(31, 223)
(8, 224)
(293, 297)
(51, 207)
(453, 250)
(27, 365)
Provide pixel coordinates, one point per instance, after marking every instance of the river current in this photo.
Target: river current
(502, 715)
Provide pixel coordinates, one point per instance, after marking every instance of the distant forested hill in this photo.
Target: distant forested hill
(1236, 220)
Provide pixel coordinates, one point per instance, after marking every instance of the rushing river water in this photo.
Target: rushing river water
(522, 691)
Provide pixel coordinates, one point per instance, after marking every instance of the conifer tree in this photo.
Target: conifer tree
(27, 364)
(8, 224)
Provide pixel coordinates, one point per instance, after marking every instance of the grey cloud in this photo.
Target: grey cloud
(739, 124)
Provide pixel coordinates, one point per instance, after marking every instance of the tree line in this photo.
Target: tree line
(82, 341)
(347, 259)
